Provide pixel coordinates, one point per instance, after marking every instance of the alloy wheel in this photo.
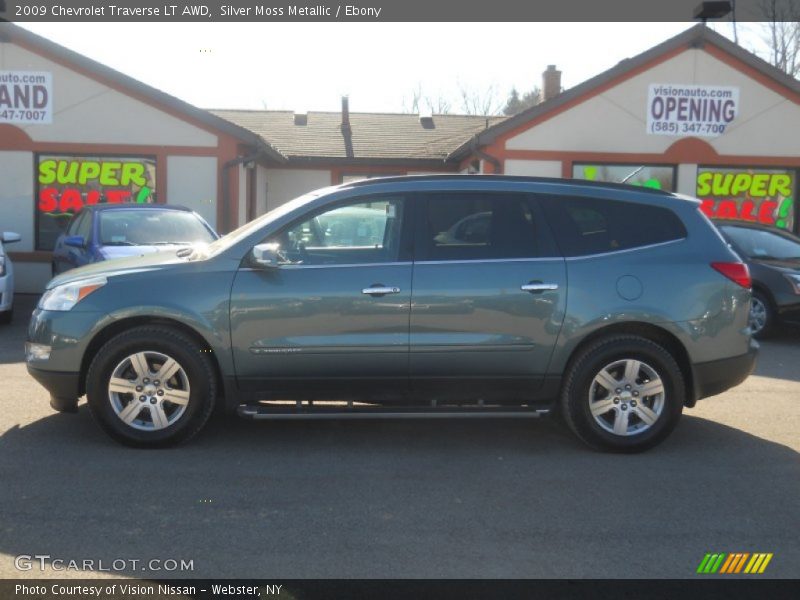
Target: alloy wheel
(149, 391)
(758, 315)
(626, 397)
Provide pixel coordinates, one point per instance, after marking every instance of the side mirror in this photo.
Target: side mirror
(76, 241)
(9, 237)
(267, 255)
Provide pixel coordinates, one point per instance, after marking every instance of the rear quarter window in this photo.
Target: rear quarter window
(584, 226)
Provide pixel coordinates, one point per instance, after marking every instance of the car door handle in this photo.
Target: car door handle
(380, 290)
(534, 287)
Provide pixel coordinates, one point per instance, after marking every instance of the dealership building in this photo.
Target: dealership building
(696, 114)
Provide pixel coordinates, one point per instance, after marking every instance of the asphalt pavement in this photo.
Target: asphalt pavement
(402, 499)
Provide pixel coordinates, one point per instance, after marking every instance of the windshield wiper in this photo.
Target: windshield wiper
(120, 244)
(169, 243)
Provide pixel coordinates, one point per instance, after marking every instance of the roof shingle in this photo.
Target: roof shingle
(374, 135)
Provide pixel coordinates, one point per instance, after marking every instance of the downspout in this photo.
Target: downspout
(476, 150)
(226, 194)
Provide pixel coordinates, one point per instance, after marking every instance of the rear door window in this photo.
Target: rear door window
(480, 226)
(584, 226)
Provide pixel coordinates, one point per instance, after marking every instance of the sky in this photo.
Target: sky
(309, 66)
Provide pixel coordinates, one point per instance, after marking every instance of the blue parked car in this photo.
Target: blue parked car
(105, 231)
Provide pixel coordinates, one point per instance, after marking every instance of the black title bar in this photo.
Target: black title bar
(373, 11)
(732, 588)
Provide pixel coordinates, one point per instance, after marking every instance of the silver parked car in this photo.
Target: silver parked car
(6, 277)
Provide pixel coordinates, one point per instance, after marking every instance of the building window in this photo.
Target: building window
(67, 183)
(660, 177)
(763, 196)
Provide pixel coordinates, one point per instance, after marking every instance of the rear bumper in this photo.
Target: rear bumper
(716, 376)
(59, 384)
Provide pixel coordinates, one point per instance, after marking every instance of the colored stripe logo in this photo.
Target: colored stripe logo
(732, 563)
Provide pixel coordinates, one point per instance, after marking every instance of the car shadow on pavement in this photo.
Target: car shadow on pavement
(404, 498)
(779, 355)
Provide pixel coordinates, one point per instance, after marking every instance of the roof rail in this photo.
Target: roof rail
(522, 178)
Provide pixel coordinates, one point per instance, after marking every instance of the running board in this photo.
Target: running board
(262, 412)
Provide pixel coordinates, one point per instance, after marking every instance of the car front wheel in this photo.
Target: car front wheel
(151, 387)
(624, 394)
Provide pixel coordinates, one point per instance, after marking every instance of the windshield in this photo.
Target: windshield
(237, 235)
(151, 227)
(756, 243)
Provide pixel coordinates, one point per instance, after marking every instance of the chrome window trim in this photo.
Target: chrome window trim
(481, 260)
(487, 260)
(625, 250)
(334, 266)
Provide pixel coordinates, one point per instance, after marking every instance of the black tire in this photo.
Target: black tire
(6, 316)
(769, 314)
(195, 364)
(579, 382)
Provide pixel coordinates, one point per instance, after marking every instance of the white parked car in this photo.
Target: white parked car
(6, 277)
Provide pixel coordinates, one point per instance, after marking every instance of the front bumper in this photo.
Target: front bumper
(789, 313)
(59, 384)
(716, 376)
(6, 292)
(67, 335)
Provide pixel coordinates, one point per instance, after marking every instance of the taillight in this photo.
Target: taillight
(735, 271)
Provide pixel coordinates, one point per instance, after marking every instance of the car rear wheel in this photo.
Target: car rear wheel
(762, 315)
(151, 387)
(623, 394)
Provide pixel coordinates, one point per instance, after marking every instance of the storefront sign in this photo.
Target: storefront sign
(690, 110)
(756, 195)
(26, 97)
(68, 183)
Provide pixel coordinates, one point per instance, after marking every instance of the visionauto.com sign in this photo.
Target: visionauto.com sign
(690, 110)
(26, 97)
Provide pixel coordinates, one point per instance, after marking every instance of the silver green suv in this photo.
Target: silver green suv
(438, 296)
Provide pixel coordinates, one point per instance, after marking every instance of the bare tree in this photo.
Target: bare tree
(471, 102)
(480, 102)
(782, 34)
(419, 102)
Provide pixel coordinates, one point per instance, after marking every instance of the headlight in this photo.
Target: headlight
(794, 280)
(64, 297)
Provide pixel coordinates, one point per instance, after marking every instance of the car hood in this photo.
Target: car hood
(111, 252)
(791, 265)
(120, 266)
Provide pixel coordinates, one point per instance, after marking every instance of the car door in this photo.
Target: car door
(68, 257)
(489, 295)
(334, 313)
(83, 256)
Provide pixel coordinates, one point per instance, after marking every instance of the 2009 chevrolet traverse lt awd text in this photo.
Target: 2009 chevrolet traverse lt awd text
(412, 296)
